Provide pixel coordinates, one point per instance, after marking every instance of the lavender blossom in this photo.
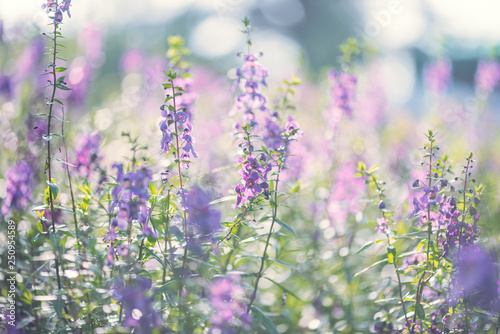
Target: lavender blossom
(254, 177)
(459, 234)
(381, 225)
(487, 75)
(91, 42)
(272, 136)
(343, 89)
(201, 216)
(347, 191)
(476, 277)
(87, 154)
(137, 303)
(129, 201)
(179, 120)
(252, 74)
(57, 9)
(27, 63)
(437, 75)
(227, 299)
(19, 186)
(6, 88)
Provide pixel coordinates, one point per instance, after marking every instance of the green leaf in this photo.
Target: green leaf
(53, 188)
(62, 161)
(164, 288)
(40, 207)
(368, 245)
(58, 304)
(61, 69)
(26, 296)
(151, 253)
(373, 169)
(152, 188)
(64, 209)
(295, 189)
(421, 244)
(264, 320)
(419, 309)
(286, 226)
(253, 238)
(371, 266)
(36, 271)
(284, 289)
(223, 199)
(62, 87)
(361, 166)
(391, 254)
(282, 263)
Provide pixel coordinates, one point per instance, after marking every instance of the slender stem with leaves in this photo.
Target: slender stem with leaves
(370, 178)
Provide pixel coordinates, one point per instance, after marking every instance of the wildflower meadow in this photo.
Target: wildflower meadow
(146, 189)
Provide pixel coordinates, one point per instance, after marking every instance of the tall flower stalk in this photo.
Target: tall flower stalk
(55, 10)
(383, 226)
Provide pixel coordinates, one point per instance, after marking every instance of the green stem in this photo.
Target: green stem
(466, 298)
(184, 220)
(422, 282)
(275, 213)
(166, 235)
(49, 158)
(400, 287)
(77, 230)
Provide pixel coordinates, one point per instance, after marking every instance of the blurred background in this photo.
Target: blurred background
(422, 64)
(292, 34)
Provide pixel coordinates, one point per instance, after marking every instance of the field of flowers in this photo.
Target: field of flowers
(172, 196)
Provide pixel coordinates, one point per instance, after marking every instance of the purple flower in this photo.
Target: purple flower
(179, 120)
(138, 304)
(111, 234)
(253, 74)
(272, 135)
(254, 177)
(487, 75)
(428, 202)
(292, 125)
(65, 7)
(87, 154)
(186, 100)
(28, 62)
(252, 70)
(19, 185)
(227, 299)
(347, 191)
(132, 61)
(201, 216)
(52, 6)
(476, 277)
(58, 17)
(181, 117)
(437, 75)
(6, 88)
(90, 40)
(381, 225)
(79, 75)
(343, 89)
(122, 249)
(111, 256)
(129, 199)
(49, 5)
